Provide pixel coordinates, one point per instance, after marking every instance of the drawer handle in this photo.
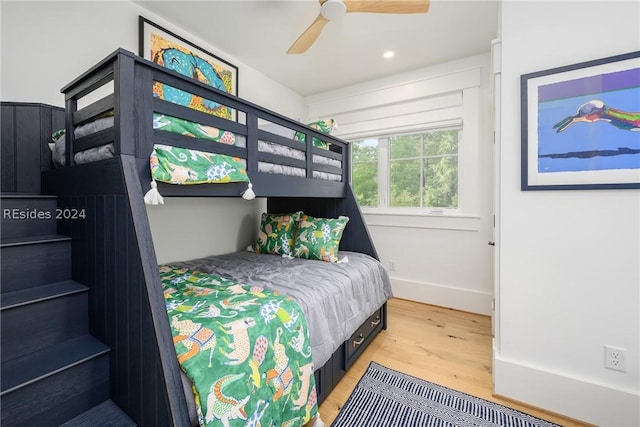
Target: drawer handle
(376, 322)
(357, 343)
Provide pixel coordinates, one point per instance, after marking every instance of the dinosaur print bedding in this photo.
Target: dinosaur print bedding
(175, 165)
(245, 349)
(166, 123)
(334, 297)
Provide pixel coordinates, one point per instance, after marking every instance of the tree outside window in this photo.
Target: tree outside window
(365, 168)
(420, 170)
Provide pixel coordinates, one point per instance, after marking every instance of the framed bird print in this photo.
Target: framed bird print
(581, 125)
(168, 49)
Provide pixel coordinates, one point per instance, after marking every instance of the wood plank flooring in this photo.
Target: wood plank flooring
(444, 346)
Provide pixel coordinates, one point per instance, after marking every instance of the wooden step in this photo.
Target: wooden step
(28, 215)
(34, 261)
(17, 195)
(56, 384)
(106, 414)
(40, 293)
(38, 317)
(11, 242)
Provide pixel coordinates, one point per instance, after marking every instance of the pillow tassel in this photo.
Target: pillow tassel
(248, 194)
(153, 196)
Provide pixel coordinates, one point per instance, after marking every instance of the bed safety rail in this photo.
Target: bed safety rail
(132, 103)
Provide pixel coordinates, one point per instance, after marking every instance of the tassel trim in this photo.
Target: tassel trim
(248, 194)
(153, 196)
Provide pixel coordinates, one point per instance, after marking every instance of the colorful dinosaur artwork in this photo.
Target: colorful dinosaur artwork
(177, 58)
(222, 407)
(245, 349)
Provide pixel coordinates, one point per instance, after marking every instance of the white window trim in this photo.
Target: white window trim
(440, 221)
(407, 103)
(384, 169)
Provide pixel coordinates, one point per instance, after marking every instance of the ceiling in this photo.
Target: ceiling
(349, 50)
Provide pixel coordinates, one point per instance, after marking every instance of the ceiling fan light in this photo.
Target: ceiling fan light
(333, 9)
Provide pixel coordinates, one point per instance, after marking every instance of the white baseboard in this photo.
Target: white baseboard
(444, 296)
(576, 398)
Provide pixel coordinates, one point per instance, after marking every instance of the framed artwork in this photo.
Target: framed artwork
(168, 49)
(581, 125)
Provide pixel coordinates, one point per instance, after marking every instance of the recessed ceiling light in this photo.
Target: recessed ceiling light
(388, 54)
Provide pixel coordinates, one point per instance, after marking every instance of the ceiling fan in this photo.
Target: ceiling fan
(332, 9)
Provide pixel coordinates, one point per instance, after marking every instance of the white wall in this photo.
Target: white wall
(439, 259)
(195, 227)
(570, 260)
(46, 45)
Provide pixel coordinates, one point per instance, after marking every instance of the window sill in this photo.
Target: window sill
(438, 221)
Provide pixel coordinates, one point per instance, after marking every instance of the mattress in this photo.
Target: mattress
(336, 298)
(107, 151)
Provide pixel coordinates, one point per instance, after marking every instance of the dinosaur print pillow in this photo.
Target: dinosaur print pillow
(325, 126)
(319, 238)
(175, 165)
(277, 233)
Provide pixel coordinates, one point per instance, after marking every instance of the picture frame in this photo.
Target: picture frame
(581, 126)
(158, 44)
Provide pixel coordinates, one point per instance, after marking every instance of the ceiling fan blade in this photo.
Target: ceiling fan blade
(309, 36)
(388, 6)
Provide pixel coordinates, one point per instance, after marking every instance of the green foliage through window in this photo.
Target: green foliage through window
(421, 170)
(365, 167)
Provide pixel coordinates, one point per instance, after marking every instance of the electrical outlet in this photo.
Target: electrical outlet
(392, 266)
(615, 358)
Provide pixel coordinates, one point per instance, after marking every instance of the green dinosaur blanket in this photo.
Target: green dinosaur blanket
(246, 350)
(176, 165)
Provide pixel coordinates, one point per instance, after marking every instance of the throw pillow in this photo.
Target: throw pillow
(319, 238)
(277, 233)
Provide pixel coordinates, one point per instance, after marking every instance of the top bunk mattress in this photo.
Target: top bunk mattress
(185, 127)
(336, 298)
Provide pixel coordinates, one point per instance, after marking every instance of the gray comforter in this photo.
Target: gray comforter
(335, 298)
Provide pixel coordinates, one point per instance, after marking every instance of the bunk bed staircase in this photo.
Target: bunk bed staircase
(53, 372)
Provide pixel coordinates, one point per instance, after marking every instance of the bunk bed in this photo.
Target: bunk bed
(297, 168)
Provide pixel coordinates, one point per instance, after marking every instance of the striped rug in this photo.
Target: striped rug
(387, 398)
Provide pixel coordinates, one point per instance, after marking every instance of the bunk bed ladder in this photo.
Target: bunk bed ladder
(53, 371)
(114, 256)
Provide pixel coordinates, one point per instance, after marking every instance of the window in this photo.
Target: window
(416, 170)
(365, 168)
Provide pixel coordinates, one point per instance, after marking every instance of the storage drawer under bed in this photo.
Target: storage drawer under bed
(361, 337)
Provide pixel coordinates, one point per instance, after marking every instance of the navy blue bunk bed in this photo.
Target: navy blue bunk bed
(113, 251)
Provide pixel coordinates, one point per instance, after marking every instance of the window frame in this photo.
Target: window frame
(384, 172)
(436, 96)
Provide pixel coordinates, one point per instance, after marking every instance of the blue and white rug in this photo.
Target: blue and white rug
(387, 398)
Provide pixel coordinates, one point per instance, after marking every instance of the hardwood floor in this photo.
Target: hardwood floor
(444, 346)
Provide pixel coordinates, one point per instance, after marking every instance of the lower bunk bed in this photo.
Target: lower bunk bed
(113, 255)
(269, 322)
